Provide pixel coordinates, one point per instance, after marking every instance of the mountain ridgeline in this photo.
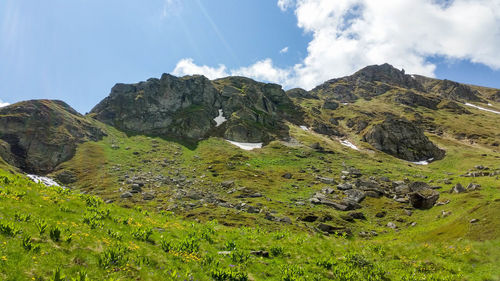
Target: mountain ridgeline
(38, 135)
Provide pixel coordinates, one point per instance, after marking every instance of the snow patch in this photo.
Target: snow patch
(482, 108)
(246, 145)
(220, 119)
(489, 104)
(345, 103)
(304, 128)
(348, 144)
(423, 162)
(43, 180)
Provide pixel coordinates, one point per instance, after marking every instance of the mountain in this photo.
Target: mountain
(38, 135)
(379, 175)
(185, 108)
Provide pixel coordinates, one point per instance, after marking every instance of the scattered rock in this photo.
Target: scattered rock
(422, 197)
(355, 195)
(227, 184)
(287, 176)
(264, 254)
(66, 177)
(474, 220)
(458, 188)
(392, 225)
(381, 214)
(344, 186)
(473, 187)
(328, 190)
(357, 215)
(148, 196)
(126, 195)
(326, 180)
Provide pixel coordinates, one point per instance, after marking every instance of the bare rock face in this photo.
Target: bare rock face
(402, 139)
(412, 99)
(448, 89)
(368, 82)
(38, 135)
(170, 107)
(184, 108)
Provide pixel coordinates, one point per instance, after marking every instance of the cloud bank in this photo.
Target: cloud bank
(350, 34)
(3, 104)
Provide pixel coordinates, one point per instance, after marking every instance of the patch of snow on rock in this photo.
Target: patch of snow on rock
(220, 119)
(349, 144)
(482, 108)
(304, 128)
(43, 180)
(345, 103)
(246, 145)
(423, 162)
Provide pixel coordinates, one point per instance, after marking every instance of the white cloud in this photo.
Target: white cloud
(188, 67)
(284, 50)
(3, 104)
(285, 4)
(263, 70)
(350, 34)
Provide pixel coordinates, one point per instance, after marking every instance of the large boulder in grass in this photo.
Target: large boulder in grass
(422, 196)
(402, 139)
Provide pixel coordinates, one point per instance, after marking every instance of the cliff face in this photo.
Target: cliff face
(185, 108)
(37, 135)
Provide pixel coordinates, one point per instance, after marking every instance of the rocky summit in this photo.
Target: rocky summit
(380, 175)
(187, 108)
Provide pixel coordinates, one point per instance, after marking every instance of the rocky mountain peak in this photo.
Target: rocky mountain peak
(184, 108)
(37, 135)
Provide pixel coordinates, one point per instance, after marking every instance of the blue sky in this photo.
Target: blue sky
(77, 50)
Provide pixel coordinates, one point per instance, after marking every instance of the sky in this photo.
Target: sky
(77, 50)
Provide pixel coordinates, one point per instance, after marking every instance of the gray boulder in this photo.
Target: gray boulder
(402, 139)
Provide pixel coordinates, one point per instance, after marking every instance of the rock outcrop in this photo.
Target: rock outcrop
(412, 99)
(368, 82)
(402, 139)
(38, 135)
(185, 108)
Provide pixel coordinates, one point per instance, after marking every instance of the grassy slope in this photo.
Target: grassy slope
(294, 255)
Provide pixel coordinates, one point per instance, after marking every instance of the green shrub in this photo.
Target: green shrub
(55, 234)
(219, 274)
(166, 245)
(230, 245)
(115, 235)
(28, 244)
(22, 217)
(58, 276)
(189, 245)
(41, 225)
(291, 273)
(239, 256)
(277, 251)
(143, 234)
(9, 229)
(113, 256)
